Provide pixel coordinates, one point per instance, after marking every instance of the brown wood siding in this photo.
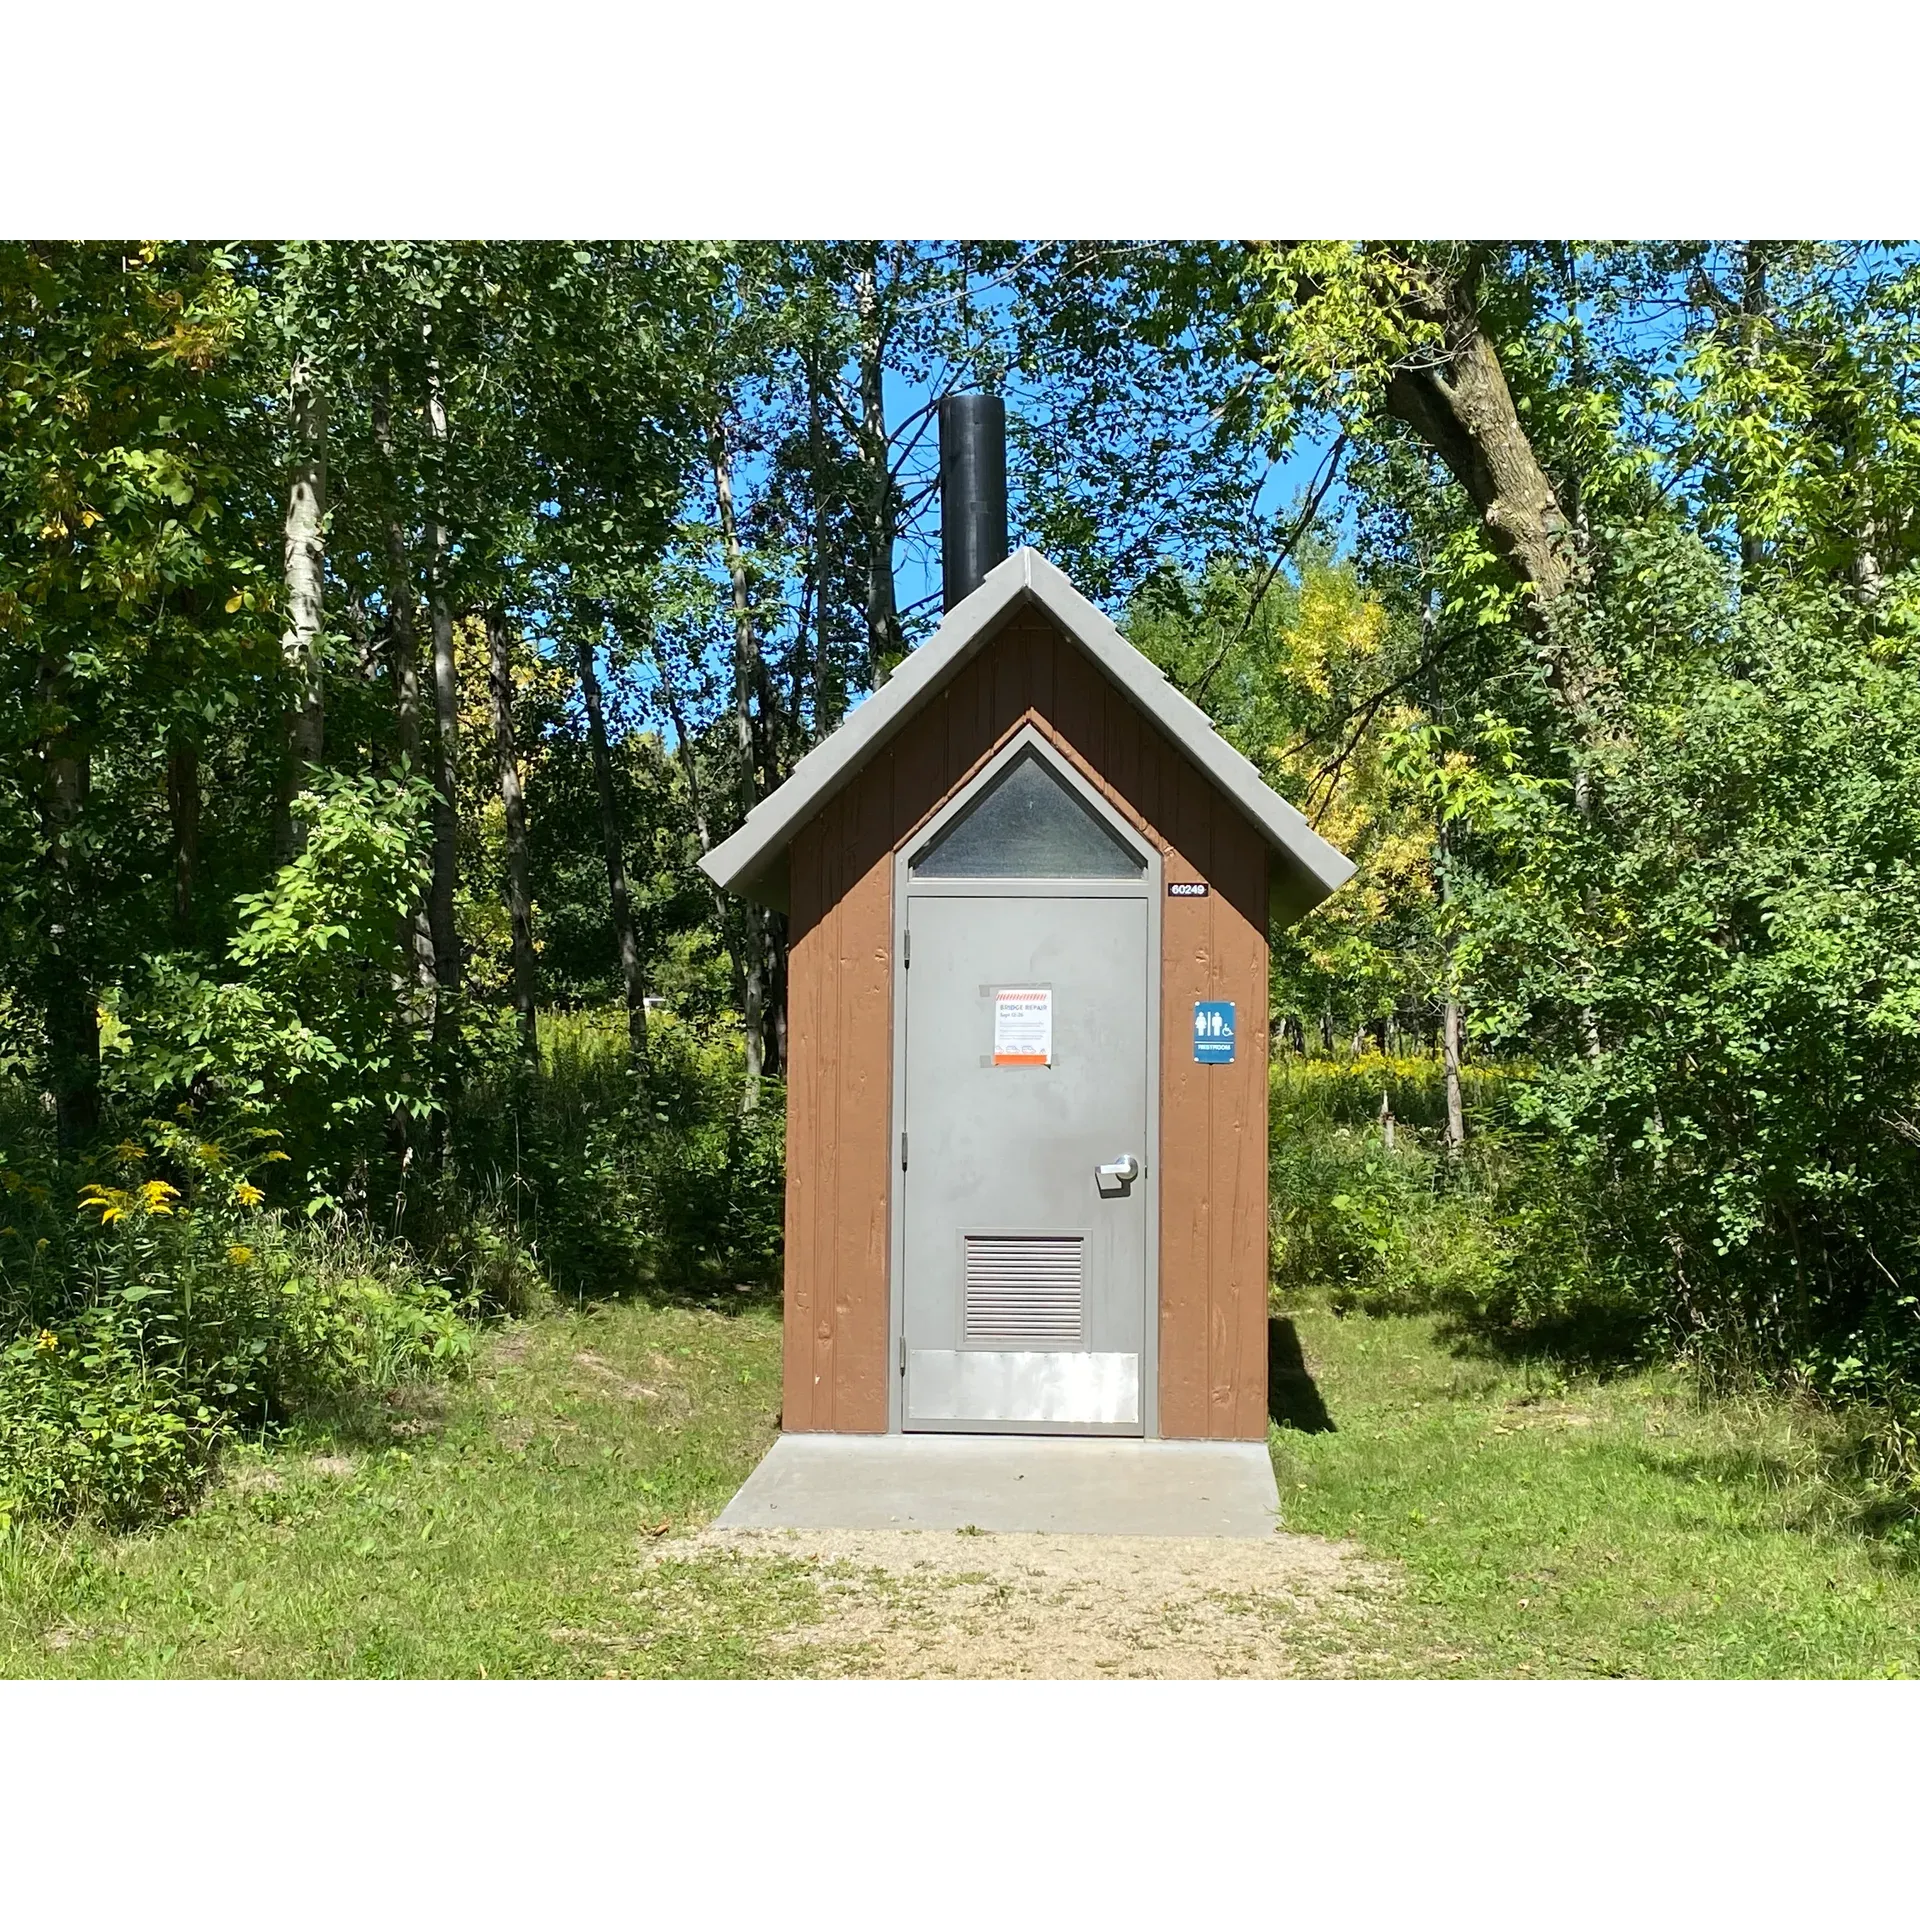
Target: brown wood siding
(1212, 1163)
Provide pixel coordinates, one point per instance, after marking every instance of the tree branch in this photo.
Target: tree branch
(1322, 482)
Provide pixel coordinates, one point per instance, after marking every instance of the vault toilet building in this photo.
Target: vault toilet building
(1028, 892)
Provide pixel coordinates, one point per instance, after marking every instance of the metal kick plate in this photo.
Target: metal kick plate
(1090, 1389)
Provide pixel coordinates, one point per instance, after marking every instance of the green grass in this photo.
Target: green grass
(1543, 1525)
(1555, 1526)
(499, 1527)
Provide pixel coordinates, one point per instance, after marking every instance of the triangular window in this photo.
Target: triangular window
(1028, 825)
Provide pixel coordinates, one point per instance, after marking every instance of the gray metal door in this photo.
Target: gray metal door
(1026, 1232)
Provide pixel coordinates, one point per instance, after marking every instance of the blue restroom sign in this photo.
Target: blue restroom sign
(1213, 1031)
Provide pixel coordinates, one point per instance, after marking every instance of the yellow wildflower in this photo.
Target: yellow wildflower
(48, 1340)
(248, 1194)
(240, 1256)
(127, 1152)
(158, 1197)
(111, 1201)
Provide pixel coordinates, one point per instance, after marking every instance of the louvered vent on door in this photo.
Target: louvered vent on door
(1025, 1290)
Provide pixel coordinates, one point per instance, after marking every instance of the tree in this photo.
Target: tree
(127, 561)
(514, 808)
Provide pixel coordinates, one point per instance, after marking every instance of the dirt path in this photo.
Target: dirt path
(1077, 1606)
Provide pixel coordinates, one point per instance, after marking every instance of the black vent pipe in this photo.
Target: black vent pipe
(973, 492)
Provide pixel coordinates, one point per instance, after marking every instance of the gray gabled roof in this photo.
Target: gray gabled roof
(753, 861)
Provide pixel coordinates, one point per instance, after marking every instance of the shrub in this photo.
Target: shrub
(1503, 1240)
(1720, 975)
(620, 1180)
(173, 1321)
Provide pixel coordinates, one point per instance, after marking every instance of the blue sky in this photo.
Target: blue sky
(917, 564)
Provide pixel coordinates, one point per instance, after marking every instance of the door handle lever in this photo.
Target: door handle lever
(1121, 1173)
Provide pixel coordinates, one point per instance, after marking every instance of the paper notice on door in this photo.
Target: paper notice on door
(1023, 1027)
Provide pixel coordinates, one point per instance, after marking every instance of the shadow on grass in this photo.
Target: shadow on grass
(405, 1414)
(1293, 1397)
(585, 1272)
(1598, 1342)
(1830, 1493)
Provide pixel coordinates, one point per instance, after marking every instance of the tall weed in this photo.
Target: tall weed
(177, 1313)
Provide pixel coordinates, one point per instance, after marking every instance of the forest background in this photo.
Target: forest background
(390, 627)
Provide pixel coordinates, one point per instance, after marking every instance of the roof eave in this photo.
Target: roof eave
(744, 863)
(753, 861)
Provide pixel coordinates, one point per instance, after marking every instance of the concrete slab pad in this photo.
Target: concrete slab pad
(1003, 1483)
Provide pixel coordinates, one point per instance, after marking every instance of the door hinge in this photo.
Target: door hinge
(906, 946)
(903, 1149)
(903, 1353)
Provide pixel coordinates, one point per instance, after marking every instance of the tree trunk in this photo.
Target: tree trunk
(753, 946)
(1463, 409)
(689, 766)
(696, 805)
(1461, 406)
(304, 555)
(446, 777)
(72, 1013)
(447, 964)
(513, 803)
(446, 731)
(776, 1027)
(1455, 1136)
(1753, 310)
(632, 980)
(823, 716)
(1863, 570)
(404, 665)
(885, 643)
(1456, 1133)
(183, 815)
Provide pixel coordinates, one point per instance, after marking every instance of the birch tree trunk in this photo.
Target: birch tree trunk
(447, 965)
(513, 803)
(446, 726)
(304, 561)
(746, 658)
(632, 979)
(446, 777)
